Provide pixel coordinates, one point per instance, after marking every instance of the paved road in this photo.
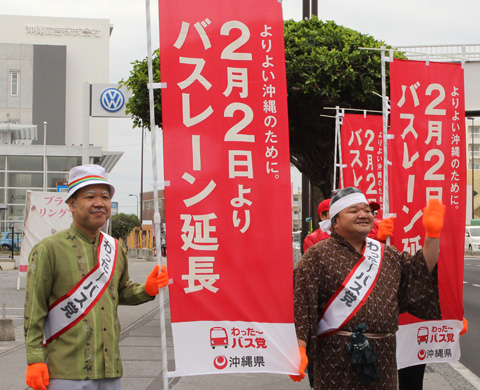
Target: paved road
(141, 351)
(471, 303)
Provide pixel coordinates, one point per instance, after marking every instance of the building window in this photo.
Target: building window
(474, 129)
(25, 163)
(16, 196)
(474, 151)
(54, 178)
(14, 82)
(25, 180)
(62, 164)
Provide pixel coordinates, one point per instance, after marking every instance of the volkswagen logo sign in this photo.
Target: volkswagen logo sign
(112, 99)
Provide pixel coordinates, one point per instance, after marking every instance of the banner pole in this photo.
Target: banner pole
(386, 208)
(157, 217)
(335, 151)
(340, 116)
(338, 148)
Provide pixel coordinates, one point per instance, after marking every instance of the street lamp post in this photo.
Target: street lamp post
(137, 201)
(44, 156)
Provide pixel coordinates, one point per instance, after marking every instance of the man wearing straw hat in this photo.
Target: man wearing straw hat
(350, 290)
(75, 280)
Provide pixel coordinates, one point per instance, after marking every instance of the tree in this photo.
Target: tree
(139, 105)
(123, 224)
(326, 67)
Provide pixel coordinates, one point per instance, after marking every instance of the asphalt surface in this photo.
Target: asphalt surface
(471, 304)
(141, 350)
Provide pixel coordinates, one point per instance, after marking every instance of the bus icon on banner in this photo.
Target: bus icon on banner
(422, 335)
(218, 337)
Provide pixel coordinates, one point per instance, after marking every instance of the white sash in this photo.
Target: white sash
(68, 310)
(353, 292)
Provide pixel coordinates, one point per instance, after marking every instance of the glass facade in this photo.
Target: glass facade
(63, 164)
(25, 179)
(25, 163)
(21, 173)
(53, 178)
(16, 195)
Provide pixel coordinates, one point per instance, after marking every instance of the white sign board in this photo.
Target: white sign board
(45, 214)
(108, 101)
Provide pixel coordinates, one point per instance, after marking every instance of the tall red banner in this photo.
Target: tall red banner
(228, 206)
(362, 155)
(429, 161)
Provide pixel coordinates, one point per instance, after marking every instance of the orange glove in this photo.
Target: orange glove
(385, 229)
(156, 280)
(37, 376)
(465, 327)
(433, 216)
(303, 365)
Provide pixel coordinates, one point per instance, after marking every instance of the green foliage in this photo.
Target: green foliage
(326, 61)
(138, 105)
(123, 224)
(326, 67)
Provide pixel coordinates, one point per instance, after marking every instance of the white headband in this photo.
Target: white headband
(342, 204)
(347, 201)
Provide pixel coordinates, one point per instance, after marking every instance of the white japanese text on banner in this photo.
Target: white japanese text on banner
(429, 161)
(228, 206)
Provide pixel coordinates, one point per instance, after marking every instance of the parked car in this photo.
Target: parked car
(6, 241)
(472, 238)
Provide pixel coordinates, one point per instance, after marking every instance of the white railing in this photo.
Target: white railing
(458, 52)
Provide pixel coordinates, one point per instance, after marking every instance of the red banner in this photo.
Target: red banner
(429, 161)
(362, 155)
(228, 206)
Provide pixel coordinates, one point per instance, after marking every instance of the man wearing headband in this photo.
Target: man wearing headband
(350, 290)
(76, 279)
(324, 230)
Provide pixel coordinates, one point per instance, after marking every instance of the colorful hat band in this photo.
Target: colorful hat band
(75, 183)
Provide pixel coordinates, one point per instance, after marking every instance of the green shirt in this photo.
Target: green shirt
(89, 350)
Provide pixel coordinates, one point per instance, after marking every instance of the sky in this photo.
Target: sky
(398, 23)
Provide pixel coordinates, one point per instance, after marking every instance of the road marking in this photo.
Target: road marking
(475, 285)
(466, 373)
(464, 282)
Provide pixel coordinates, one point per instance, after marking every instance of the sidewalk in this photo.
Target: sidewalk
(141, 351)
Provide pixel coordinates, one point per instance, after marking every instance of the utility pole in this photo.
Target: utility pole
(309, 8)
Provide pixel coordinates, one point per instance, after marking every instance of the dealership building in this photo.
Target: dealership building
(48, 68)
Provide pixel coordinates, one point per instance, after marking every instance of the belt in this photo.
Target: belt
(369, 335)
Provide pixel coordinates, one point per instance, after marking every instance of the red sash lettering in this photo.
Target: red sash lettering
(353, 292)
(68, 310)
